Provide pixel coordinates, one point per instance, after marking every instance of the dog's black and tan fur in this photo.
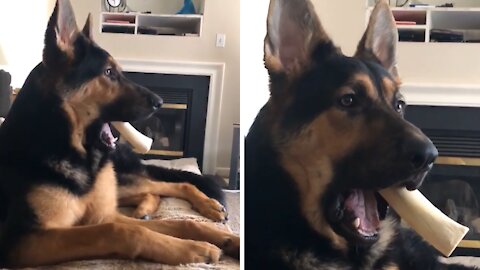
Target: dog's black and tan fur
(330, 136)
(59, 167)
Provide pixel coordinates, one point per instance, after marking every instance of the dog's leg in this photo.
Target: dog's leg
(117, 240)
(187, 229)
(206, 206)
(146, 204)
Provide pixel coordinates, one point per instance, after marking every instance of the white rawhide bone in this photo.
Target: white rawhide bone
(140, 142)
(435, 227)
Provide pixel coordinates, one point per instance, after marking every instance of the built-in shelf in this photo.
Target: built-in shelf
(437, 24)
(151, 24)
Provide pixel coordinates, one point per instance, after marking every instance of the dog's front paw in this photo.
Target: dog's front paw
(201, 252)
(211, 209)
(231, 246)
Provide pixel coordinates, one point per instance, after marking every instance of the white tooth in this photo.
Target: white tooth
(115, 139)
(356, 223)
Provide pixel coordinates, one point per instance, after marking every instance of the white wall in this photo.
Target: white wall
(21, 36)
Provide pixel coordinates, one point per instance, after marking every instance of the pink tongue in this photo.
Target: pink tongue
(107, 136)
(364, 206)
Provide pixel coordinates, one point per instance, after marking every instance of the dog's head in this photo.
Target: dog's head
(337, 121)
(89, 82)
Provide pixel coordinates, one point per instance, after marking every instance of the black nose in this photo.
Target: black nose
(421, 153)
(156, 102)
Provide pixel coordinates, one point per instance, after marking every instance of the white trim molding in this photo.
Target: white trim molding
(216, 72)
(453, 95)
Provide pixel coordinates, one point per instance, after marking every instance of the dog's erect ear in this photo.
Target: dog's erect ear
(87, 28)
(61, 34)
(293, 31)
(381, 37)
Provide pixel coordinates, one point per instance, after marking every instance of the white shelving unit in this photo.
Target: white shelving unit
(151, 24)
(464, 21)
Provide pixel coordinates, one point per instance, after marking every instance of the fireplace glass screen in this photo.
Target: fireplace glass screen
(455, 190)
(167, 129)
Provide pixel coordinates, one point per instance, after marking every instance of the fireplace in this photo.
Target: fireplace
(178, 129)
(454, 183)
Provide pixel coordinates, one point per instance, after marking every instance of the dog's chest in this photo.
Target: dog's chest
(56, 207)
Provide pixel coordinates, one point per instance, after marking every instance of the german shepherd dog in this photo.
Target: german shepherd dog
(330, 136)
(59, 166)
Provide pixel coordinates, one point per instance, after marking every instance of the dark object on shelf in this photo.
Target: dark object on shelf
(411, 35)
(444, 35)
(118, 29)
(157, 30)
(446, 5)
(5, 92)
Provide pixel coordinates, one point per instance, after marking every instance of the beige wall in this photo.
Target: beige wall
(220, 16)
(21, 37)
(432, 63)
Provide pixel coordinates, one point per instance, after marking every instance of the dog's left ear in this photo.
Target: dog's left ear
(60, 36)
(381, 37)
(293, 32)
(87, 28)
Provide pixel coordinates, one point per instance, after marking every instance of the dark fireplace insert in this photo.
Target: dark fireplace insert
(454, 182)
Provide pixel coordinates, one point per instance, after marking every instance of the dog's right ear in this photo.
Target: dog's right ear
(60, 36)
(293, 32)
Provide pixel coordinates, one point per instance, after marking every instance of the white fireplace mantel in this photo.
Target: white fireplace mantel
(216, 73)
(454, 95)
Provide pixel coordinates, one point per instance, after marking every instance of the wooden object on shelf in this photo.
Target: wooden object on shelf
(443, 233)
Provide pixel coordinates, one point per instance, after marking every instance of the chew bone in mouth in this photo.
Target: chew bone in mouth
(435, 227)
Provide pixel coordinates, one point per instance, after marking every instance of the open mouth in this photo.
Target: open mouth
(107, 138)
(362, 211)
(357, 213)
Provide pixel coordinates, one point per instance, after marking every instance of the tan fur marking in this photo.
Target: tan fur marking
(308, 158)
(391, 267)
(187, 229)
(146, 204)
(101, 202)
(367, 83)
(206, 206)
(107, 241)
(390, 87)
(55, 207)
(387, 234)
(83, 106)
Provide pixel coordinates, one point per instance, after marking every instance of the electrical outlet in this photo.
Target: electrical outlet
(221, 40)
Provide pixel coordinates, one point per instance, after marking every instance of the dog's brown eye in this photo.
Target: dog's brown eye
(400, 106)
(108, 72)
(347, 100)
